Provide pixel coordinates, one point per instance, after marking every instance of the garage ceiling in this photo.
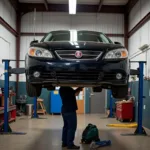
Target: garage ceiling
(88, 2)
(85, 6)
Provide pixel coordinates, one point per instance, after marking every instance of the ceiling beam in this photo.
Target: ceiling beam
(130, 5)
(46, 4)
(139, 25)
(44, 33)
(28, 7)
(100, 5)
(8, 27)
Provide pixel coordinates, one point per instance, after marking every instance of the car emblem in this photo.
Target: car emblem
(78, 54)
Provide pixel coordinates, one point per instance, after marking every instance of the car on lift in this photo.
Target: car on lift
(77, 59)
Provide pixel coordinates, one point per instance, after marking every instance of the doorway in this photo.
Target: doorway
(97, 102)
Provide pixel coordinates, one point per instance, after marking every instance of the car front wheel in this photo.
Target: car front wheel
(33, 90)
(120, 92)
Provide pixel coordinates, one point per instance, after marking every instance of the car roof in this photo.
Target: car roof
(61, 31)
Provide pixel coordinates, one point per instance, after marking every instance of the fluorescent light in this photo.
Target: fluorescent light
(143, 47)
(72, 6)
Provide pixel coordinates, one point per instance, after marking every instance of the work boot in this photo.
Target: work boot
(73, 147)
(64, 145)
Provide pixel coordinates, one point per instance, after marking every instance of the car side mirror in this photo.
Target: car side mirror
(32, 42)
(117, 43)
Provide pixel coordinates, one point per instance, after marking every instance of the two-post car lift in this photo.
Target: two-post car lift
(140, 72)
(5, 129)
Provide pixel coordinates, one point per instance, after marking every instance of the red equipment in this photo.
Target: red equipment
(124, 111)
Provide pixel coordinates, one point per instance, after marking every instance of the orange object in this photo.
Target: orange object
(32, 51)
(40, 107)
(124, 54)
(80, 104)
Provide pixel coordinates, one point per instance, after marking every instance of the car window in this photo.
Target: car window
(104, 38)
(48, 37)
(88, 36)
(61, 37)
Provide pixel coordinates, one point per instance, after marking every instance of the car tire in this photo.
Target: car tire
(97, 89)
(33, 90)
(120, 92)
(51, 88)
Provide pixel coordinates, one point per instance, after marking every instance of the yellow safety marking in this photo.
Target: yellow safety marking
(131, 125)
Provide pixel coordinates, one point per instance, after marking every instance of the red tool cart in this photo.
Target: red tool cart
(124, 110)
(11, 114)
(11, 109)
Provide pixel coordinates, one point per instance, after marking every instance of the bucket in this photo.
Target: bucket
(29, 109)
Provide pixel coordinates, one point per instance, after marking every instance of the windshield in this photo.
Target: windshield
(88, 36)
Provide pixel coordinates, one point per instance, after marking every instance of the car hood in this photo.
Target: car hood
(77, 46)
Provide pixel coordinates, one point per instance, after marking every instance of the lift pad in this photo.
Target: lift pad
(16, 70)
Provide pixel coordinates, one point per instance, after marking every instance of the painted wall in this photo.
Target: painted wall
(7, 40)
(142, 36)
(140, 10)
(146, 101)
(7, 12)
(48, 21)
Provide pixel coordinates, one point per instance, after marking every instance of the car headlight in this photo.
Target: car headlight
(117, 54)
(39, 52)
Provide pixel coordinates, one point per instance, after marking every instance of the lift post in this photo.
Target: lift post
(111, 105)
(6, 95)
(140, 130)
(140, 72)
(5, 127)
(35, 115)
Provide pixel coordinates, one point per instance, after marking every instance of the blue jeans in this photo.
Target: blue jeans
(69, 129)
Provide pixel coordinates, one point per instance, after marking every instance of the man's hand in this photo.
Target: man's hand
(78, 90)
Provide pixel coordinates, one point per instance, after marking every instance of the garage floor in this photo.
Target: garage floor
(46, 134)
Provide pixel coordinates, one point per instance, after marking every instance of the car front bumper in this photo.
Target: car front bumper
(80, 73)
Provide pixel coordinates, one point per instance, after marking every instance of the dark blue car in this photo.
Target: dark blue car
(77, 58)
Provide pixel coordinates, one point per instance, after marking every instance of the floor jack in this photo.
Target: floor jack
(97, 145)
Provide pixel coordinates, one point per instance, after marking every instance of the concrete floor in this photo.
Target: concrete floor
(45, 134)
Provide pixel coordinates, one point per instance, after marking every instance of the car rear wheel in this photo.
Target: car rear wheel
(120, 92)
(33, 90)
(97, 89)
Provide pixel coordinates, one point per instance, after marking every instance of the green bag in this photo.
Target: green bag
(90, 134)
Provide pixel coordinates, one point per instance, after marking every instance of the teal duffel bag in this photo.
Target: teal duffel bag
(90, 134)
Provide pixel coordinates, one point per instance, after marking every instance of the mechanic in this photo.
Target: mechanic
(69, 107)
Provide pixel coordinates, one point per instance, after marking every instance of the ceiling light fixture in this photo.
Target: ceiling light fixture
(72, 7)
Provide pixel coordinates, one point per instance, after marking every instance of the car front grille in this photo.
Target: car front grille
(80, 76)
(86, 54)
